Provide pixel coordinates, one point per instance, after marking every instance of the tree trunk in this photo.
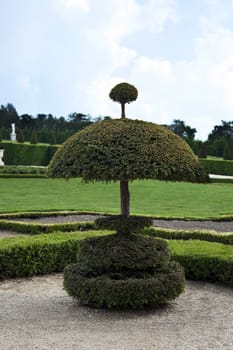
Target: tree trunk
(123, 110)
(125, 197)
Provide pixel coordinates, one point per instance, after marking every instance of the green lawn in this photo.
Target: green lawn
(154, 198)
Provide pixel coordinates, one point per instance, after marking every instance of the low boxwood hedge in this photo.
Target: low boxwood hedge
(43, 254)
(220, 167)
(38, 255)
(35, 228)
(27, 154)
(210, 236)
(204, 261)
(18, 169)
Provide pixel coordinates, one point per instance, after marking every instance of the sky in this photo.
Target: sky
(64, 56)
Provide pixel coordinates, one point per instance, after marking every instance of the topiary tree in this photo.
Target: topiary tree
(125, 270)
(123, 93)
(34, 139)
(227, 152)
(20, 136)
(202, 151)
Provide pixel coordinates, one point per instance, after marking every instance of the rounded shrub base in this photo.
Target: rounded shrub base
(118, 271)
(104, 291)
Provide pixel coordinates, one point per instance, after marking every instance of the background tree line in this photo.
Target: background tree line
(46, 128)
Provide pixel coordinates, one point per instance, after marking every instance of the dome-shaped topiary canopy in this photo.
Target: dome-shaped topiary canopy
(124, 149)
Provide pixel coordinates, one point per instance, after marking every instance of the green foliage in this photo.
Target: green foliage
(136, 293)
(18, 169)
(20, 136)
(204, 261)
(124, 93)
(120, 271)
(53, 138)
(181, 129)
(27, 154)
(223, 181)
(110, 150)
(211, 236)
(122, 256)
(219, 167)
(34, 139)
(202, 151)
(43, 254)
(218, 138)
(227, 153)
(34, 229)
(123, 225)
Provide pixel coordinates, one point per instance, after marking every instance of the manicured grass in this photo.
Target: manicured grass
(153, 198)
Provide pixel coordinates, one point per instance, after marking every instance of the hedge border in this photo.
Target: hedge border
(220, 167)
(205, 235)
(28, 256)
(37, 214)
(21, 176)
(35, 229)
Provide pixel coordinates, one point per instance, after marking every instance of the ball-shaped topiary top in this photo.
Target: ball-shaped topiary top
(124, 149)
(123, 93)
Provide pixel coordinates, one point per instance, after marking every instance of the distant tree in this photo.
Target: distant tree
(181, 129)
(123, 93)
(219, 131)
(53, 138)
(20, 136)
(227, 152)
(34, 139)
(218, 137)
(8, 115)
(202, 151)
(0, 135)
(26, 121)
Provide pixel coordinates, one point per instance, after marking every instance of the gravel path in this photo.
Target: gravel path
(37, 314)
(223, 226)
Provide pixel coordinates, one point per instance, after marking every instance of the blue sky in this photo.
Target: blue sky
(63, 56)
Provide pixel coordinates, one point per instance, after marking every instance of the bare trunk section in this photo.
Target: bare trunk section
(125, 197)
(123, 110)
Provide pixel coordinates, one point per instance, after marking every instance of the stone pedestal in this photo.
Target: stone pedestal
(13, 136)
(1, 156)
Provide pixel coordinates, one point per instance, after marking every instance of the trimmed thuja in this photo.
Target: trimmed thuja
(125, 269)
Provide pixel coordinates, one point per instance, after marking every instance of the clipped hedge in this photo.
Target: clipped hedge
(131, 292)
(219, 167)
(123, 225)
(38, 255)
(22, 170)
(204, 261)
(27, 256)
(210, 236)
(22, 176)
(27, 154)
(34, 229)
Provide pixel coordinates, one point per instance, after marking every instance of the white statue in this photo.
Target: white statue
(13, 134)
(1, 156)
(13, 128)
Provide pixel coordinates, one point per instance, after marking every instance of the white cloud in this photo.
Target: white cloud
(72, 5)
(73, 65)
(155, 13)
